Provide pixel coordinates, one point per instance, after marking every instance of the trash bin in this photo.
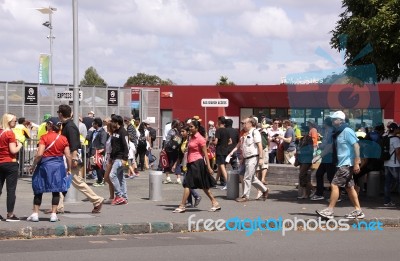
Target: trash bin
(373, 183)
(155, 185)
(232, 185)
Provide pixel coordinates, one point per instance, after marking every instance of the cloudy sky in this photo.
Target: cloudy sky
(188, 41)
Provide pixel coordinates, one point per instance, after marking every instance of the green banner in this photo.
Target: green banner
(44, 62)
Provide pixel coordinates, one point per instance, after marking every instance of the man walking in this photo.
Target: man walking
(346, 155)
(221, 143)
(97, 144)
(71, 132)
(392, 165)
(119, 157)
(288, 141)
(253, 155)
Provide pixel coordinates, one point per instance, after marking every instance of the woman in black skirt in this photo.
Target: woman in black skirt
(199, 173)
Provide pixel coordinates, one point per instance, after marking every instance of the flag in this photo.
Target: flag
(44, 65)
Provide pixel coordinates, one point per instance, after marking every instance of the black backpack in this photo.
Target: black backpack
(385, 147)
(174, 143)
(152, 133)
(142, 143)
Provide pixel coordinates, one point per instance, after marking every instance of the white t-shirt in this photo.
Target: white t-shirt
(166, 130)
(249, 145)
(272, 144)
(394, 144)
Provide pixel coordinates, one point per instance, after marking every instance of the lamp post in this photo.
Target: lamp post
(49, 24)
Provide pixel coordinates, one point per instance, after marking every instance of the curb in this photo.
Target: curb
(131, 229)
(92, 230)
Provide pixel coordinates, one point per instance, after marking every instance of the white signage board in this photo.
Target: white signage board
(67, 95)
(214, 102)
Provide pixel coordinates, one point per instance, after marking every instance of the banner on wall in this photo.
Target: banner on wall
(31, 95)
(44, 66)
(112, 98)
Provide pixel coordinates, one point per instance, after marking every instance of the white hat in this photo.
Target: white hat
(338, 115)
(211, 123)
(146, 121)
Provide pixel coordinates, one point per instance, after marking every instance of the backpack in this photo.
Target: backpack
(173, 143)
(142, 143)
(152, 133)
(264, 139)
(385, 147)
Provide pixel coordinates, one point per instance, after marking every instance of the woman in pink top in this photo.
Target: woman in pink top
(197, 176)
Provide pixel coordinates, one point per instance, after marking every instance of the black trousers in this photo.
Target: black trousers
(9, 175)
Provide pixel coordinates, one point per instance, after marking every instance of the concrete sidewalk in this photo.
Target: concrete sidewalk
(144, 216)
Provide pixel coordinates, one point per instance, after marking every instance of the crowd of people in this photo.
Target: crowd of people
(111, 145)
(193, 153)
(341, 152)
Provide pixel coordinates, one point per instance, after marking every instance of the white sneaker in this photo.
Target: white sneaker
(224, 188)
(259, 194)
(53, 217)
(33, 218)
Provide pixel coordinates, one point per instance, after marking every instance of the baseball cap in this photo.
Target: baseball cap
(311, 121)
(393, 126)
(211, 123)
(53, 120)
(338, 115)
(146, 121)
(46, 116)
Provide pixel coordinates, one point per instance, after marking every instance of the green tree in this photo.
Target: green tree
(224, 81)
(92, 78)
(142, 79)
(372, 36)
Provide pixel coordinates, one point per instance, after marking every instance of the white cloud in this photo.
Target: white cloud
(188, 41)
(267, 22)
(164, 17)
(205, 7)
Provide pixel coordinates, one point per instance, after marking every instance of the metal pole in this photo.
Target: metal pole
(75, 61)
(72, 194)
(51, 45)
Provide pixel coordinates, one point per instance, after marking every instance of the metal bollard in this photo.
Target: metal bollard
(72, 195)
(232, 191)
(155, 185)
(373, 184)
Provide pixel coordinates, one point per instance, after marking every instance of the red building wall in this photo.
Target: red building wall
(185, 100)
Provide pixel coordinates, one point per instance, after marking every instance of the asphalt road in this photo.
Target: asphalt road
(349, 245)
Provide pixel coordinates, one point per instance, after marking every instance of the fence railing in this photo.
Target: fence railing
(27, 154)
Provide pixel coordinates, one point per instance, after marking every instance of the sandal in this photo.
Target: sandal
(180, 209)
(215, 208)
